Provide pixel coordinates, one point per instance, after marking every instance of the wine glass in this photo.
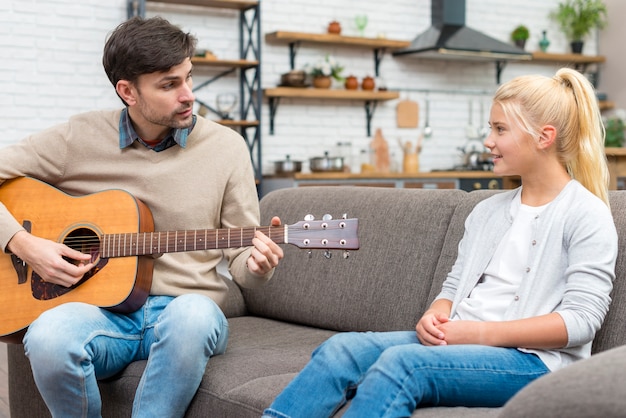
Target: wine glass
(361, 22)
(226, 103)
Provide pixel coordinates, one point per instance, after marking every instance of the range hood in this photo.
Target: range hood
(449, 38)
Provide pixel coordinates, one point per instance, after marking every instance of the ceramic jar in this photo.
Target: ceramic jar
(368, 83)
(334, 27)
(351, 83)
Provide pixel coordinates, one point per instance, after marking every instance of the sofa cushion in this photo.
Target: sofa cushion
(262, 356)
(382, 286)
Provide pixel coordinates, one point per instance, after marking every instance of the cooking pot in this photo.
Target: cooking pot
(326, 164)
(287, 166)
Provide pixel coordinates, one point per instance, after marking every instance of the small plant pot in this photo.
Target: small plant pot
(520, 43)
(577, 47)
(322, 82)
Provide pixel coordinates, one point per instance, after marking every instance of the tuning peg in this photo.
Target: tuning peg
(346, 254)
(344, 216)
(310, 254)
(327, 217)
(328, 254)
(309, 217)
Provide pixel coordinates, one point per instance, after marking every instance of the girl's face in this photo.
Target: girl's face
(511, 148)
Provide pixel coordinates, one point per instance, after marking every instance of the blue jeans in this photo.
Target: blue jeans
(395, 374)
(73, 345)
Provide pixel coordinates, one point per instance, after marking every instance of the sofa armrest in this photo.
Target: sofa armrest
(587, 389)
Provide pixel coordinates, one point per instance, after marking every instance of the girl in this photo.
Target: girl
(528, 291)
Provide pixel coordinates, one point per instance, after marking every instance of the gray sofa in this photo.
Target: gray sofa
(408, 241)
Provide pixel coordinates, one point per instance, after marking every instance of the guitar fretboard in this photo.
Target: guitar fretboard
(144, 243)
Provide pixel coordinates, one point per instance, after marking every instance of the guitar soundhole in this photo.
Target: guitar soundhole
(81, 239)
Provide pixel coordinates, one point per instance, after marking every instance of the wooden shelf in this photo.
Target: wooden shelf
(223, 4)
(212, 62)
(569, 58)
(606, 105)
(238, 123)
(371, 98)
(331, 94)
(331, 39)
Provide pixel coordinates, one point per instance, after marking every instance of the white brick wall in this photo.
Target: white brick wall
(51, 67)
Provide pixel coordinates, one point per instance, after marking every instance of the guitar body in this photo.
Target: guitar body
(120, 284)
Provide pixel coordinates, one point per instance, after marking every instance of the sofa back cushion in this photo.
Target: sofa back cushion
(453, 236)
(384, 285)
(613, 331)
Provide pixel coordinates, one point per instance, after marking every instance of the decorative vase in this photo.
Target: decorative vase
(577, 47)
(544, 42)
(368, 83)
(351, 83)
(520, 43)
(322, 82)
(334, 27)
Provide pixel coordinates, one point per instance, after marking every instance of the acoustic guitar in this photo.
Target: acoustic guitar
(118, 231)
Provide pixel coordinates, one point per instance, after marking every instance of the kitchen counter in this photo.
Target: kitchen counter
(466, 180)
(443, 174)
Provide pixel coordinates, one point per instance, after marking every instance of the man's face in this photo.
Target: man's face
(161, 101)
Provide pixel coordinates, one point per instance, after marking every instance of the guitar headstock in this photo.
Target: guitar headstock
(326, 234)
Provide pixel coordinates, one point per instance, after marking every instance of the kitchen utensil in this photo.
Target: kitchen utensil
(294, 78)
(287, 166)
(471, 132)
(226, 103)
(407, 114)
(428, 131)
(361, 22)
(326, 164)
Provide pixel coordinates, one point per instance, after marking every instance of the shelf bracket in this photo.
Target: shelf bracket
(135, 8)
(293, 51)
(370, 108)
(273, 102)
(379, 53)
(499, 67)
(211, 80)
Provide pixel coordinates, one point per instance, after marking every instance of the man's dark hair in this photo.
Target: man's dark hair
(143, 46)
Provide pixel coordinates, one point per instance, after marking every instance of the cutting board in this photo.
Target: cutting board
(407, 114)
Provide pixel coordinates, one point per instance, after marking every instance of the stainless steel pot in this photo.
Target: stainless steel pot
(326, 164)
(287, 166)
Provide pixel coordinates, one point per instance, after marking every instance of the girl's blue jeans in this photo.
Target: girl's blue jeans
(390, 374)
(73, 345)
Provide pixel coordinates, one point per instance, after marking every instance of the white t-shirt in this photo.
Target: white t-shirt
(497, 287)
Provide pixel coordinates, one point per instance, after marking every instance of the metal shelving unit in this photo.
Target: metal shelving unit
(247, 66)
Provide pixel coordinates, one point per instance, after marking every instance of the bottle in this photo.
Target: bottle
(544, 42)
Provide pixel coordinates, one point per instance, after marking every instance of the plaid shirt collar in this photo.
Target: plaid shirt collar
(128, 135)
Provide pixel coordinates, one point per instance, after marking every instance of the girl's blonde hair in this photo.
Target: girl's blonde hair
(568, 102)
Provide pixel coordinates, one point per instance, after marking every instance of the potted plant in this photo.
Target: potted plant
(519, 36)
(577, 18)
(615, 127)
(324, 71)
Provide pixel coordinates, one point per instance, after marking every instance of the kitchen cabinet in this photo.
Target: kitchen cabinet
(370, 98)
(247, 67)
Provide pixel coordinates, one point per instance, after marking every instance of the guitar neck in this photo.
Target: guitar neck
(146, 243)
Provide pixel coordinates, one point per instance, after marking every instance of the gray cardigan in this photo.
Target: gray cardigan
(571, 264)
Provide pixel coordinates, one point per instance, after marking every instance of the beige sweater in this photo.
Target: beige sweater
(207, 185)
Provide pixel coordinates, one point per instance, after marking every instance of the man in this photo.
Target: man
(192, 174)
